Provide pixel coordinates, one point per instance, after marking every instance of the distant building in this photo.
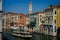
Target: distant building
(27, 19)
(33, 16)
(14, 20)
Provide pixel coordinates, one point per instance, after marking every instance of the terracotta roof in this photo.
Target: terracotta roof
(58, 6)
(42, 12)
(6, 13)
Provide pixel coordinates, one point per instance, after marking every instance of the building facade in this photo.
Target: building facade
(33, 16)
(27, 19)
(50, 25)
(39, 23)
(14, 20)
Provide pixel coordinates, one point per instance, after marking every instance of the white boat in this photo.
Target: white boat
(22, 34)
(26, 34)
(16, 33)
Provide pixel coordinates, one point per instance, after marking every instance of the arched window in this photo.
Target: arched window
(55, 28)
(55, 21)
(12, 24)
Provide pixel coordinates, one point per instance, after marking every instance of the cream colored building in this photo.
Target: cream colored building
(50, 25)
(40, 18)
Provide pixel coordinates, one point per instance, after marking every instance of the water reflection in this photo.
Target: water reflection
(35, 37)
(0, 36)
(43, 37)
(4, 38)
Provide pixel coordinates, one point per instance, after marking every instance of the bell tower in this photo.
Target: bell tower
(30, 7)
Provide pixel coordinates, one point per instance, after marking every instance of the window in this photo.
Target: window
(55, 12)
(12, 17)
(11, 24)
(55, 28)
(55, 21)
(40, 15)
(21, 17)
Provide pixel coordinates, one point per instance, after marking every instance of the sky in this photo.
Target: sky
(22, 6)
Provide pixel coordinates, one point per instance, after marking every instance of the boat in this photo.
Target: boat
(16, 33)
(22, 34)
(26, 34)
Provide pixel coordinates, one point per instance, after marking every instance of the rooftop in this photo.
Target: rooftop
(51, 7)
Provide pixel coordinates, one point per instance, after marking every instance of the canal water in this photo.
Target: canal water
(0, 36)
(8, 36)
